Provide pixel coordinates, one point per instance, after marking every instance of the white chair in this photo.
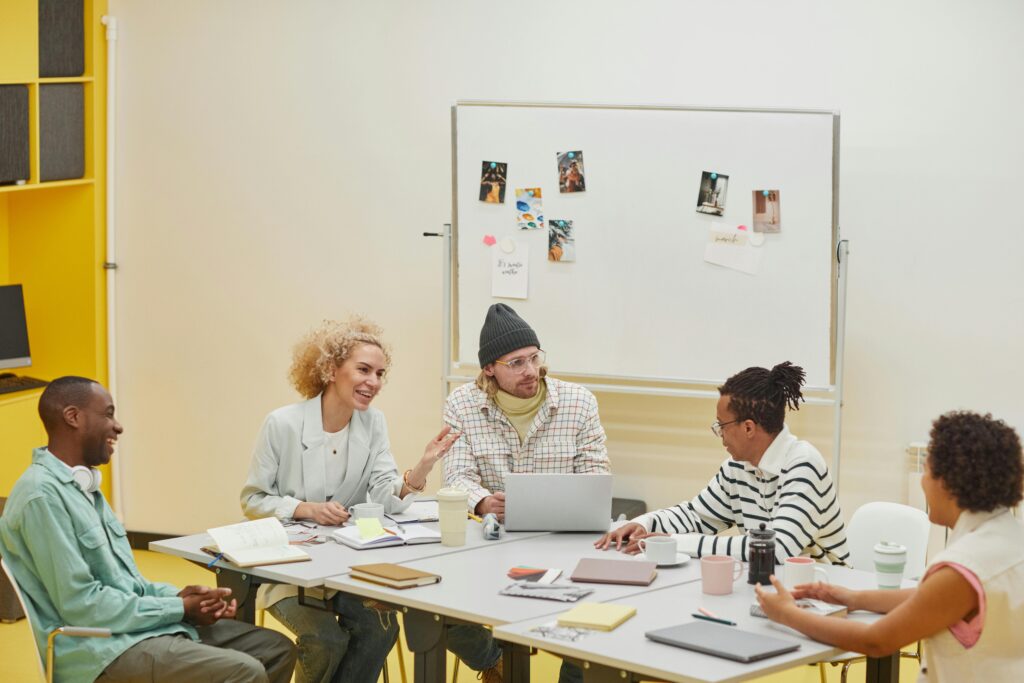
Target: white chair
(46, 671)
(880, 521)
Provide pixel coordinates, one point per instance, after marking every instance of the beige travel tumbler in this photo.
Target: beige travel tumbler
(451, 506)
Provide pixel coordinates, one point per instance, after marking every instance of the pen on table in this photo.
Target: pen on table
(212, 562)
(698, 615)
(473, 517)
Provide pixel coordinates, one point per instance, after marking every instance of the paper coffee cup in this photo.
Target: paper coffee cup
(451, 513)
(890, 561)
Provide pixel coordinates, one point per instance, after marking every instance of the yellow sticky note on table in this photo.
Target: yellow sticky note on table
(369, 527)
(599, 616)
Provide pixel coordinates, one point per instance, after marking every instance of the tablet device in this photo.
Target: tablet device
(722, 641)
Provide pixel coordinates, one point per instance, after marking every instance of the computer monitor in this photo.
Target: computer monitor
(14, 351)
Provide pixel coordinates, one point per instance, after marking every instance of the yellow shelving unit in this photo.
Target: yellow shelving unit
(52, 234)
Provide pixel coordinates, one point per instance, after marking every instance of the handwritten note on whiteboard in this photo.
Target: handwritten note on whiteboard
(510, 269)
(730, 247)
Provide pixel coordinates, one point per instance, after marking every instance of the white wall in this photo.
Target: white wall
(278, 161)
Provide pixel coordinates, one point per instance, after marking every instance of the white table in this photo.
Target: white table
(626, 655)
(328, 559)
(468, 593)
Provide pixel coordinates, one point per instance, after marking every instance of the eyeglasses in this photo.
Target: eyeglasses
(716, 426)
(519, 365)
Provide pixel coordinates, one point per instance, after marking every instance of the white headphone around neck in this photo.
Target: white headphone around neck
(87, 478)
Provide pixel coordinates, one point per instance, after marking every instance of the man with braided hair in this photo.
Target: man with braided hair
(770, 477)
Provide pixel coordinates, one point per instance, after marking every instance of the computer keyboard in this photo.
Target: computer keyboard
(15, 383)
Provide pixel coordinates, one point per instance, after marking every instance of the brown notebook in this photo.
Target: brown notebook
(628, 572)
(393, 575)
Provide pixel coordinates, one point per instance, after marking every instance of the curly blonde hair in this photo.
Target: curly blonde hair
(326, 347)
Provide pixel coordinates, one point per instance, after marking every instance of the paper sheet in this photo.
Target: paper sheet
(730, 247)
(510, 267)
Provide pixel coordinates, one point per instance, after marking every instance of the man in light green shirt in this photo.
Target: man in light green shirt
(72, 560)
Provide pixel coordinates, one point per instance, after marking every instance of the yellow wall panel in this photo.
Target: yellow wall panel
(53, 254)
(4, 249)
(22, 431)
(19, 41)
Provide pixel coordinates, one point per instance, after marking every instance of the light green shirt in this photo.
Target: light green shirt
(73, 563)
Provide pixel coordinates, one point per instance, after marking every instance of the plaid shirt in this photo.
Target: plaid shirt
(566, 436)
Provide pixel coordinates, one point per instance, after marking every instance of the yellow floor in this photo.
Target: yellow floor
(17, 654)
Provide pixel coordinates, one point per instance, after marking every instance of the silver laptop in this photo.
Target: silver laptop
(558, 502)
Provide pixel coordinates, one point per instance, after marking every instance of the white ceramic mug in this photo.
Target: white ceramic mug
(802, 570)
(660, 549)
(367, 511)
(718, 573)
(890, 560)
(452, 515)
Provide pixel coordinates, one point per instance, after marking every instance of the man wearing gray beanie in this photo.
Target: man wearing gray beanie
(515, 418)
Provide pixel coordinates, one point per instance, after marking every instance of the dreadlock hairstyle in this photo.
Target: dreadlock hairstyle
(762, 395)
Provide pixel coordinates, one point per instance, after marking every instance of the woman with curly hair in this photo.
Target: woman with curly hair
(313, 461)
(969, 606)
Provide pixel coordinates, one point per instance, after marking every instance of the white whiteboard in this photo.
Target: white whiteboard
(640, 302)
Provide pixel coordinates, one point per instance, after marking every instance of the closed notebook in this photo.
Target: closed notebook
(393, 575)
(596, 615)
(627, 572)
(727, 642)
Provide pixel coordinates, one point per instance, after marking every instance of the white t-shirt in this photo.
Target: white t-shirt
(336, 444)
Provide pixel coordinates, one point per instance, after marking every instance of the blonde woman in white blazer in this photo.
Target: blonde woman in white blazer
(313, 461)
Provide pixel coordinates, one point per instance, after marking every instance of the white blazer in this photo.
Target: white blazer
(289, 464)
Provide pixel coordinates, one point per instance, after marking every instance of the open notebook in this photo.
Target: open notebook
(261, 541)
(405, 534)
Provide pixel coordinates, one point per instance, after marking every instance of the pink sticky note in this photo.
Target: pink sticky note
(741, 227)
(489, 240)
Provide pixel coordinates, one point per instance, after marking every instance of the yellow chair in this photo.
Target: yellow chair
(46, 670)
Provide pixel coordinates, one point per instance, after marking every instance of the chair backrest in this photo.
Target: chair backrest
(28, 618)
(880, 521)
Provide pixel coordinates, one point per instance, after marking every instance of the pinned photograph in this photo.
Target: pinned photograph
(570, 172)
(492, 182)
(561, 241)
(711, 197)
(766, 211)
(529, 208)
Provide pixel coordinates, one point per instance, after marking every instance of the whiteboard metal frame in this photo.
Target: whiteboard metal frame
(657, 386)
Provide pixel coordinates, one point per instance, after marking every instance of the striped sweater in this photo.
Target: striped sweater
(790, 490)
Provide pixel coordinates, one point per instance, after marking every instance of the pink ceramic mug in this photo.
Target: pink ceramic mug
(718, 572)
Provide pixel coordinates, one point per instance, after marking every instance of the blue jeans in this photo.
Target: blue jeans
(476, 647)
(348, 645)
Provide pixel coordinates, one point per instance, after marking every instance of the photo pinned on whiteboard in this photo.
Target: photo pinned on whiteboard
(492, 181)
(570, 172)
(529, 208)
(766, 211)
(561, 241)
(711, 196)
(510, 270)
